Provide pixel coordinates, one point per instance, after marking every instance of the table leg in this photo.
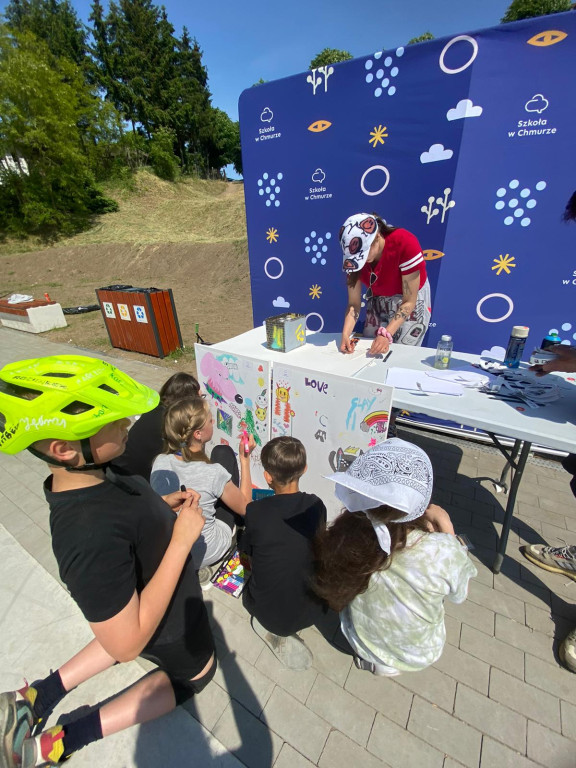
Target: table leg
(510, 456)
(518, 469)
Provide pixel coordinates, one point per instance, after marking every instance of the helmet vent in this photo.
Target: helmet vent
(76, 408)
(15, 390)
(58, 375)
(2, 422)
(106, 388)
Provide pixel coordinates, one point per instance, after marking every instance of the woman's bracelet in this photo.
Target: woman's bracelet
(386, 333)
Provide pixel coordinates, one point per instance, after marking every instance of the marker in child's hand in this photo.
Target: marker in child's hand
(245, 442)
(183, 488)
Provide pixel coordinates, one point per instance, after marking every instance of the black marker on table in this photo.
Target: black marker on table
(387, 356)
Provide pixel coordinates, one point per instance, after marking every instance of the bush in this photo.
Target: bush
(161, 152)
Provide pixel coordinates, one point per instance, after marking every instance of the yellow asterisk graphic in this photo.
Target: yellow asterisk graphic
(503, 263)
(378, 135)
(315, 291)
(272, 235)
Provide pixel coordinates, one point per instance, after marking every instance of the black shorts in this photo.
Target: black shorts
(176, 659)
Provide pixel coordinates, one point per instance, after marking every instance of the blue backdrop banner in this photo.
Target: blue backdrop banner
(468, 142)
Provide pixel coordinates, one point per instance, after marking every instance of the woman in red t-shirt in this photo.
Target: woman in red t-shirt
(389, 261)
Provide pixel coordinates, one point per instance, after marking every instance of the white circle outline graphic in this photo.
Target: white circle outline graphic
(367, 171)
(314, 314)
(495, 296)
(457, 39)
(273, 277)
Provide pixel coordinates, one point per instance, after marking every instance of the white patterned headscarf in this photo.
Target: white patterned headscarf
(393, 472)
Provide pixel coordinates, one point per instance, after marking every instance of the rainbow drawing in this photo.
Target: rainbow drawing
(377, 420)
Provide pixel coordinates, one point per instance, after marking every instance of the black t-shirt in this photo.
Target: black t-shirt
(278, 538)
(144, 444)
(108, 540)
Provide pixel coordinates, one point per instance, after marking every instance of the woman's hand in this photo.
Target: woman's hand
(380, 346)
(177, 498)
(190, 522)
(438, 519)
(346, 345)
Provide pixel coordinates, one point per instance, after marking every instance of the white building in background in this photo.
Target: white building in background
(11, 164)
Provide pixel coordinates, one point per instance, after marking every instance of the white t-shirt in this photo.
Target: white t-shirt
(399, 620)
(209, 480)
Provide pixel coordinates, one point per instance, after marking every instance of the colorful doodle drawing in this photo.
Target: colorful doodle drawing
(247, 423)
(340, 460)
(224, 421)
(231, 362)
(218, 384)
(376, 421)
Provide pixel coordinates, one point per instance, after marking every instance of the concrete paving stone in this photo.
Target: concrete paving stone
(571, 526)
(401, 748)
(562, 502)
(445, 732)
(549, 748)
(568, 717)
(523, 637)
(524, 698)
(39, 514)
(449, 763)
(341, 709)
(465, 486)
(327, 659)
(12, 518)
(453, 627)
(35, 541)
(289, 758)
(296, 724)
(551, 677)
(341, 752)
(559, 607)
(493, 651)
(490, 717)
(540, 620)
(546, 516)
(472, 613)
(209, 706)
(432, 684)
(557, 482)
(382, 693)
(529, 593)
(473, 504)
(244, 683)
(556, 536)
(237, 633)
(485, 574)
(496, 755)
(249, 739)
(232, 604)
(465, 668)
(461, 518)
(298, 684)
(496, 601)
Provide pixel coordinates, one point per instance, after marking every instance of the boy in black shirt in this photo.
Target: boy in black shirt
(121, 550)
(278, 539)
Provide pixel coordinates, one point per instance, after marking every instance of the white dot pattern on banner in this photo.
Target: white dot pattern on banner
(553, 331)
(501, 192)
(368, 64)
(525, 222)
(269, 188)
(531, 204)
(499, 205)
(509, 220)
(317, 249)
(369, 77)
(400, 51)
(525, 193)
(379, 74)
(514, 183)
(566, 326)
(519, 212)
(541, 185)
(380, 78)
(514, 202)
(394, 71)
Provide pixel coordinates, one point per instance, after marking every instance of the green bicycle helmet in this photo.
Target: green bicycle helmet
(70, 397)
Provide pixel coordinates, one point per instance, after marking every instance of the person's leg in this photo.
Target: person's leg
(225, 456)
(291, 650)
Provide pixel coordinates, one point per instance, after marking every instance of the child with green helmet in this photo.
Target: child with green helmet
(122, 551)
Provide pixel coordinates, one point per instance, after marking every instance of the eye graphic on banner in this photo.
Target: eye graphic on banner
(464, 108)
(449, 44)
(378, 134)
(518, 202)
(315, 291)
(109, 309)
(281, 303)
(315, 246)
(430, 254)
(319, 125)
(124, 311)
(319, 77)
(268, 186)
(443, 202)
(320, 319)
(381, 74)
(435, 154)
(537, 104)
(273, 259)
(367, 173)
(272, 235)
(140, 313)
(505, 316)
(503, 264)
(550, 37)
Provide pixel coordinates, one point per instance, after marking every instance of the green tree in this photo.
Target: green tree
(43, 101)
(329, 56)
(53, 21)
(221, 141)
(526, 9)
(421, 38)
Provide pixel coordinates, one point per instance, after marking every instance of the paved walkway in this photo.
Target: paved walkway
(496, 699)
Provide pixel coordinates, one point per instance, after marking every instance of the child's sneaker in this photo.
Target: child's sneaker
(45, 749)
(567, 651)
(17, 719)
(292, 651)
(556, 559)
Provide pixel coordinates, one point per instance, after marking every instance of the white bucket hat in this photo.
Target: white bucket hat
(393, 472)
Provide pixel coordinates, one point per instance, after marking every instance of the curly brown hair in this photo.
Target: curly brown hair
(347, 553)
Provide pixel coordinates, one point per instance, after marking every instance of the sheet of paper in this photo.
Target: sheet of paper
(418, 381)
(332, 348)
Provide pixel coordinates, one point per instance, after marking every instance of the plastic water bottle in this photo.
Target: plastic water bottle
(443, 352)
(515, 346)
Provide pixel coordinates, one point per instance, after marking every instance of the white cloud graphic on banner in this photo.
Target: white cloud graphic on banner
(435, 154)
(266, 115)
(464, 108)
(281, 303)
(536, 104)
(318, 176)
